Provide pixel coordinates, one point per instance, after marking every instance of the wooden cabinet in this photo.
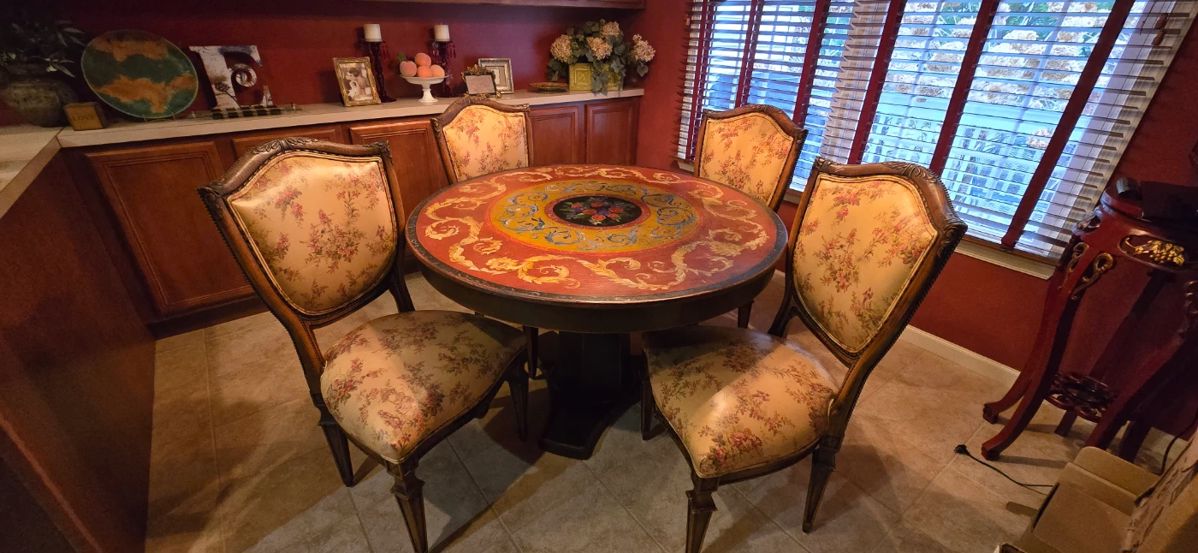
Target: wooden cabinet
(243, 143)
(188, 273)
(152, 191)
(558, 135)
(414, 152)
(611, 131)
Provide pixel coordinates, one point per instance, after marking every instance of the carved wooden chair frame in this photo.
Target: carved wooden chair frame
(300, 324)
(455, 109)
(948, 228)
(785, 125)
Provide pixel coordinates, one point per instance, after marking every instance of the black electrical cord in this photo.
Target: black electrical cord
(1165, 457)
(962, 450)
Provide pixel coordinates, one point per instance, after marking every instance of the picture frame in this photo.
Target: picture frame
(481, 85)
(502, 68)
(356, 81)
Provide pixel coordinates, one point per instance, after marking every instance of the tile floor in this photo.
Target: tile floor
(238, 464)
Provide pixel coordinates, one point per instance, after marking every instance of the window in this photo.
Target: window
(1023, 108)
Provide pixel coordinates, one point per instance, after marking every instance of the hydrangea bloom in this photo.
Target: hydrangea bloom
(561, 49)
(599, 47)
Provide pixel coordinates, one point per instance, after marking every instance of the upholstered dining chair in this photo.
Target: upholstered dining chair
(315, 228)
(479, 136)
(752, 148)
(866, 245)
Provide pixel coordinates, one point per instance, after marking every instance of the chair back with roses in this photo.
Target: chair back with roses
(479, 136)
(866, 245)
(314, 226)
(752, 148)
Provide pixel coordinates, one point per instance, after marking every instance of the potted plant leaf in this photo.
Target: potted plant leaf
(36, 52)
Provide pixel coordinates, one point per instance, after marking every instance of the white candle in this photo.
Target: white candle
(372, 32)
(441, 33)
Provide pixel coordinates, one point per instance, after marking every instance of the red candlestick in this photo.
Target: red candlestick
(378, 52)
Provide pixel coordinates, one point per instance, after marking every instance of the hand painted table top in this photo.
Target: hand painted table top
(595, 234)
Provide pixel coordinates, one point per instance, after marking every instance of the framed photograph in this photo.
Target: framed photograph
(480, 84)
(502, 68)
(358, 87)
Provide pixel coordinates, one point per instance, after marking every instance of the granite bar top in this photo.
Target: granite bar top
(24, 152)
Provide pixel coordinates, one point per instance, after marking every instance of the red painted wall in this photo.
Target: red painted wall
(299, 38)
(989, 309)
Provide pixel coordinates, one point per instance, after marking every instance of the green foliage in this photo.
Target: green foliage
(609, 55)
(38, 40)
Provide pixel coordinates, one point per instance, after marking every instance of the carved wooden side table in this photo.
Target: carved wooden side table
(1116, 236)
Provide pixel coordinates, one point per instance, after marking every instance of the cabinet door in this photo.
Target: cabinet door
(558, 135)
(611, 131)
(181, 256)
(414, 152)
(243, 143)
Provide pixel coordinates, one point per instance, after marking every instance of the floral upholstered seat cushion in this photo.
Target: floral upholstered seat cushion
(748, 153)
(322, 224)
(484, 140)
(859, 245)
(737, 398)
(396, 380)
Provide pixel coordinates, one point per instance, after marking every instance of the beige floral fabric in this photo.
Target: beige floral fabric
(748, 153)
(323, 225)
(737, 398)
(396, 380)
(858, 247)
(484, 140)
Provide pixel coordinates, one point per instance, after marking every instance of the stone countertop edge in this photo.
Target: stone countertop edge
(25, 149)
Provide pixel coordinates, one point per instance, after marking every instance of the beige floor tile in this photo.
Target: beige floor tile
(184, 489)
(268, 437)
(586, 520)
(962, 516)
(289, 503)
(913, 417)
(250, 371)
(344, 536)
(181, 407)
(903, 539)
(179, 340)
(458, 517)
(848, 520)
(887, 470)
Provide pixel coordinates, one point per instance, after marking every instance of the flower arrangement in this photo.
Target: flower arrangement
(38, 44)
(602, 45)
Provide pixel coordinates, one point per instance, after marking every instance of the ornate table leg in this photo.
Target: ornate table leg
(1148, 378)
(1046, 364)
(1049, 321)
(590, 384)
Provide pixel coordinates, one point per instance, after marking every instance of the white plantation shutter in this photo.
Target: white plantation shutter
(1008, 110)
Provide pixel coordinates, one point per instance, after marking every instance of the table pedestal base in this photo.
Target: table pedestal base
(591, 382)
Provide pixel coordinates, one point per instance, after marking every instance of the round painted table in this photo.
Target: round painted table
(595, 252)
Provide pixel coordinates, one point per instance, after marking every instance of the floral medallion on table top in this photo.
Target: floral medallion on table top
(593, 230)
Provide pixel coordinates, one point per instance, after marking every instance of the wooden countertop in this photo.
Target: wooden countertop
(25, 149)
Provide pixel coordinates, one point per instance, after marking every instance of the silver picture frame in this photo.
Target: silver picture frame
(502, 68)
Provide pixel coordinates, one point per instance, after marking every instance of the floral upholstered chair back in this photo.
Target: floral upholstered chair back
(478, 136)
(752, 148)
(312, 223)
(866, 245)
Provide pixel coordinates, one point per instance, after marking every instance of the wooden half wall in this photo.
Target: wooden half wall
(76, 379)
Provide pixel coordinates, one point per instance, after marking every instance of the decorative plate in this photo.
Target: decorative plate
(548, 86)
(140, 74)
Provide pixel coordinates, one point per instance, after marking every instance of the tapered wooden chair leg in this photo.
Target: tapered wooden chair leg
(700, 506)
(532, 338)
(823, 461)
(647, 409)
(742, 315)
(518, 385)
(409, 493)
(338, 446)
